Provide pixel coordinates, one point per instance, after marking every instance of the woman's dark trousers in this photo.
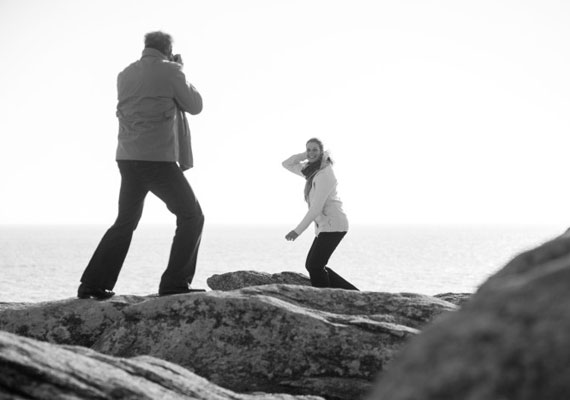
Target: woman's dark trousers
(317, 259)
(167, 182)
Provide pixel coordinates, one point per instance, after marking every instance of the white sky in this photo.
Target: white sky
(446, 111)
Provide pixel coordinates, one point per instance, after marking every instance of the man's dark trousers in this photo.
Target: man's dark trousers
(167, 182)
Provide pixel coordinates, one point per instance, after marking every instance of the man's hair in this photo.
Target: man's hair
(160, 41)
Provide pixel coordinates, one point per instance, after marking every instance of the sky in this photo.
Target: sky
(436, 112)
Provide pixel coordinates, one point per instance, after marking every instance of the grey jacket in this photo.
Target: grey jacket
(153, 96)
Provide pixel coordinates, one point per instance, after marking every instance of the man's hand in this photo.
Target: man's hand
(292, 236)
(177, 58)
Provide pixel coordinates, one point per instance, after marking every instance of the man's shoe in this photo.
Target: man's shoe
(85, 292)
(179, 291)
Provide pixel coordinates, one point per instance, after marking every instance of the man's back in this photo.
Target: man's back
(150, 92)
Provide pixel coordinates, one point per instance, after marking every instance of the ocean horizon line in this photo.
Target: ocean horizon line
(279, 224)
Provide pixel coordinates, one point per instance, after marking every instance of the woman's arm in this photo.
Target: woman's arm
(325, 183)
(295, 163)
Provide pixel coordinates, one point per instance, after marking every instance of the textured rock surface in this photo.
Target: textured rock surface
(272, 338)
(509, 341)
(72, 321)
(30, 369)
(276, 338)
(241, 279)
(406, 309)
(456, 298)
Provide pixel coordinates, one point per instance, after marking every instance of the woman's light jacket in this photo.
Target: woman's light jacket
(325, 207)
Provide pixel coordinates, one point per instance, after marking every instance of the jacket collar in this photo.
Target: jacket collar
(149, 52)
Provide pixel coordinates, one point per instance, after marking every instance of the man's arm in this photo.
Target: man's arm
(186, 95)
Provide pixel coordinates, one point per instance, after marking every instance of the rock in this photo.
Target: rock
(456, 298)
(30, 369)
(249, 341)
(71, 321)
(241, 279)
(509, 341)
(406, 309)
(271, 338)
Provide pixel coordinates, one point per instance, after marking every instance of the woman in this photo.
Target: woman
(325, 210)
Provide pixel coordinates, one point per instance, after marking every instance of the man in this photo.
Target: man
(153, 96)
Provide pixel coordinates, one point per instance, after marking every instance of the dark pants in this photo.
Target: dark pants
(317, 259)
(168, 183)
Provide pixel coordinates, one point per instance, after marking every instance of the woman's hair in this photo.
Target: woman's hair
(311, 170)
(317, 141)
(321, 147)
(160, 41)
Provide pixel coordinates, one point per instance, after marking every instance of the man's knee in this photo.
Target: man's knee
(126, 224)
(193, 217)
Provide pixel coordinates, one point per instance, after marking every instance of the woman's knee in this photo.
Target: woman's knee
(200, 219)
(313, 265)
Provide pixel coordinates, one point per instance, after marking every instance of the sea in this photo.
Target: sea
(45, 262)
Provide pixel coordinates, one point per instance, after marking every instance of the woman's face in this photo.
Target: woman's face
(313, 151)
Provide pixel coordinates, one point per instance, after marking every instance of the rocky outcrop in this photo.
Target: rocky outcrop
(242, 279)
(291, 339)
(456, 298)
(31, 370)
(71, 321)
(272, 338)
(509, 341)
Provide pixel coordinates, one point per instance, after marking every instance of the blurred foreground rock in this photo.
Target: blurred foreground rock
(509, 341)
(30, 369)
(271, 338)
